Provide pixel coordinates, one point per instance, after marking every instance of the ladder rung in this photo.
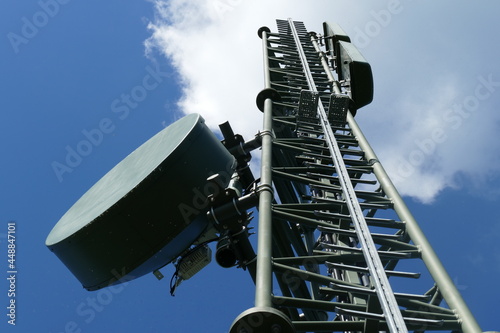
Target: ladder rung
(382, 254)
(367, 291)
(353, 180)
(353, 233)
(377, 316)
(348, 217)
(365, 270)
(364, 205)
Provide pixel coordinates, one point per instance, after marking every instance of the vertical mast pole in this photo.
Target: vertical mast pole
(263, 282)
(431, 260)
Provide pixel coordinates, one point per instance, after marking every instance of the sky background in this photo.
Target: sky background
(70, 68)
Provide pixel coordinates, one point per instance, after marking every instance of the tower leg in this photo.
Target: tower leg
(262, 320)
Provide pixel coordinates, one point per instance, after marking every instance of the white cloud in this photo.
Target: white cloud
(444, 134)
(216, 50)
(419, 77)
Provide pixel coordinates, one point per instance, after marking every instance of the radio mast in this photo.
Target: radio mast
(333, 229)
(337, 248)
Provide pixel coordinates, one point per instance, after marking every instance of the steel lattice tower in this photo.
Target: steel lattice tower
(337, 248)
(332, 227)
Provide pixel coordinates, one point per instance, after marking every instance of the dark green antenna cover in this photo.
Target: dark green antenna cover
(146, 211)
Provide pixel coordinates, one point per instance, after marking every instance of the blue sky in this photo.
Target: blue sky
(72, 68)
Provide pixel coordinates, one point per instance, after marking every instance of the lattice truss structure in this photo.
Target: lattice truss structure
(346, 253)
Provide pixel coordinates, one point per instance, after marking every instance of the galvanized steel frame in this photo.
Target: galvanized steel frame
(310, 241)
